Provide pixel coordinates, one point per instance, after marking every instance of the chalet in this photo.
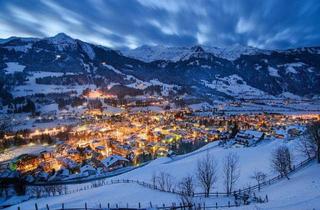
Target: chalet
(63, 173)
(68, 163)
(114, 162)
(46, 155)
(87, 170)
(280, 134)
(248, 137)
(294, 132)
(27, 162)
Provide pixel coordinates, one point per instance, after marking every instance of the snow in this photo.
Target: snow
(302, 191)
(20, 48)
(200, 106)
(88, 49)
(235, 86)
(62, 41)
(49, 108)
(289, 95)
(249, 158)
(31, 87)
(160, 52)
(261, 154)
(139, 84)
(112, 159)
(273, 72)
(13, 67)
(27, 149)
(292, 67)
(112, 68)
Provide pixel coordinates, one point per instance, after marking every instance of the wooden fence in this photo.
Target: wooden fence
(108, 206)
(237, 194)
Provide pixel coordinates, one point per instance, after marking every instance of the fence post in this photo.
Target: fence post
(47, 207)
(204, 205)
(100, 205)
(139, 205)
(85, 206)
(117, 206)
(267, 199)
(18, 207)
(108, 205)
(150, 204)
(36, 206)
(62, 206)
(229, 204)
(216, 205)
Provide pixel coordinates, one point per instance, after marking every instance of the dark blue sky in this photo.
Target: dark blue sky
(129, 23)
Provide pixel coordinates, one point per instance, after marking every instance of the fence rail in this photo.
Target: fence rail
(237, 194)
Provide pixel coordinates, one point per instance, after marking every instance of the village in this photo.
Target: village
(104, 145)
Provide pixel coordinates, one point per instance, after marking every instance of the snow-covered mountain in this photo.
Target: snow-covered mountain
(203, 72)
(160, 52)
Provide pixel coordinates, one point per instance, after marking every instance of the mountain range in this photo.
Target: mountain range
(198, 72)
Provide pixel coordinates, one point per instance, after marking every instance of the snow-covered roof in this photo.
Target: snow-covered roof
(251, 134)
(87, 168)
(112, 159)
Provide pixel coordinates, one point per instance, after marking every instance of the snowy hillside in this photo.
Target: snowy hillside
(197, 71)
(181, 166)
(160, 52)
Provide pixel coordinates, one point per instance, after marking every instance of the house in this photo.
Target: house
(27, 162)
(248, 137)
(63, 173)
(280, 134)
(294, 132)
(114, 162)
(68, 163)
(88, 170)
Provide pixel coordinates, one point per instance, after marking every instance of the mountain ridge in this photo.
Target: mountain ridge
(197, 71)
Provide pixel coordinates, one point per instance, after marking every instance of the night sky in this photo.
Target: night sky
(127, 23)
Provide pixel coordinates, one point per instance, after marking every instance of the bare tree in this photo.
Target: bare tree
(186, 189)
(48, 189)
(259, 176)
(306, 146)
(37, 191)
(231, 171)
(207, 173)
(169, 182)
(60, 189)
(154, 180)
(281, 161)
(165, 181)
(314, 135)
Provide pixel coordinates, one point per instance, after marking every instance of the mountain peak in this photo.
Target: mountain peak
(197, 48)
(61, 38)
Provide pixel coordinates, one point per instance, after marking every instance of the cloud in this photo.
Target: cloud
(128, 24)
(244, 26)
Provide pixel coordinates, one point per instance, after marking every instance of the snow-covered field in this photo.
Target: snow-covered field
(31, 87)
(304, 185)
(235, 86)
(27, 149)
(13, 67)
(301, 192)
